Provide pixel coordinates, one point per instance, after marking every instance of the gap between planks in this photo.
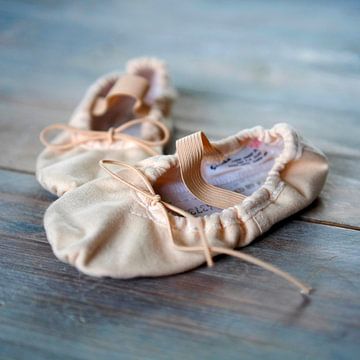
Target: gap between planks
(329, 223)
(6, 168)
(300, 218)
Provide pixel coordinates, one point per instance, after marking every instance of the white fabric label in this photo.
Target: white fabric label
(242, 172)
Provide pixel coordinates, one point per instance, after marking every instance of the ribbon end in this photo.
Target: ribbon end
(306, 291)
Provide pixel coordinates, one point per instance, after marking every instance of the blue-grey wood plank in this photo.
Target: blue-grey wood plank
(49, 310)
(236, 63)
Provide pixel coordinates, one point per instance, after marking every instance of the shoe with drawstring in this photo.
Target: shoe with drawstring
(122, 116)
(171, 213)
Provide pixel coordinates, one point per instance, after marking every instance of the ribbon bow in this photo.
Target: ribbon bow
(208, 250)
(79, 136)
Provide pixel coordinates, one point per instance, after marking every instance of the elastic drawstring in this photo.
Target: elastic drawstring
(191, 150)
(79, 137)
(209, 251)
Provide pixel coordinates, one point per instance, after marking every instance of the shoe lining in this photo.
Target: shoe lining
(120, 114)
(243, 171)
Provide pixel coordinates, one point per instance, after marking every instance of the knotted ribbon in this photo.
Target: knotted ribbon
(208, 250)
(79, 136)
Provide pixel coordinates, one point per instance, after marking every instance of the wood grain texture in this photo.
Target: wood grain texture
(49, 310)
(248, 69)
(236, 65)
(257, 63)
(338, 203)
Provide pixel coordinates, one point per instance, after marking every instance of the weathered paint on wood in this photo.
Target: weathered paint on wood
(237, 65)
(338, 203)
(49, 310)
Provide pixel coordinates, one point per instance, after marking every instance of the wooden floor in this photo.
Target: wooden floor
(236, 65)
